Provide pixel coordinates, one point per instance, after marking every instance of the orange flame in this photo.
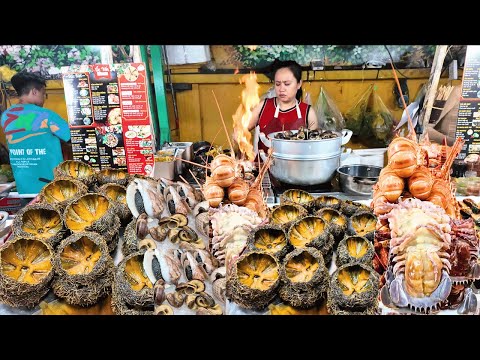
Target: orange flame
(242, 117)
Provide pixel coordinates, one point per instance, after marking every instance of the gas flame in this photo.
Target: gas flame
(242, 117)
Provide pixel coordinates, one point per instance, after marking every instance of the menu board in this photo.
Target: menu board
(468, 121)
(109, 116)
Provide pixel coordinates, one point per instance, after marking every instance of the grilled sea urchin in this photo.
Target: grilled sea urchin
(355, 249)
(284, 215)
(41, 221)
(304, 278)
(77, 170)
(61, 190)
(89, 212)
(270, 239)
(296, 196)
(132, 285)
(336, 221)
(25, 271)
(353, 289)
(84, 269)
(109, 175)
(362, 223)
(254, 280)
(117, 194)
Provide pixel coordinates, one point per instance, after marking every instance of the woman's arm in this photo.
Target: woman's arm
(312, 120)
(256, 115)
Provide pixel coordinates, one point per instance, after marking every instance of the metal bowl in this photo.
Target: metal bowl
(358, 179)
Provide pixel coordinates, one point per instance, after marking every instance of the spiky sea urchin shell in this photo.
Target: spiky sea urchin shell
(296, 196)
(76, 293)
(61, 190)
(89, 212)
(29, 260)
(285, 215)
(82, 257)
(242, 284)
(325, 201)
(41, 221)
(304, 278)
(270, 239)
(353, 288)
(117, 194)
(77, 170)
(120, 307)
(310, 231)
(349, 207)
(336, 221)
(362, 223)
(84, 269)
(355, 249)
(112, 236)
(110, 175)
(130, 240)
(132, 284)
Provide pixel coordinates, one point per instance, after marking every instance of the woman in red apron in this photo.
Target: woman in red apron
(285, 111)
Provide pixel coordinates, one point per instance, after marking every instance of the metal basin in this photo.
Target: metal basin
(358, 179)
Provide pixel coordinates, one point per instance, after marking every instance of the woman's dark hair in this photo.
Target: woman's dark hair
(23, 82)
(293, 66)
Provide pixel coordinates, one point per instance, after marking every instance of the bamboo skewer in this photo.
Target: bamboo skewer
(410, 123)
(191, 162)
(224, 126)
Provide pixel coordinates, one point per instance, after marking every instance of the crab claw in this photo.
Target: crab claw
(469, 304)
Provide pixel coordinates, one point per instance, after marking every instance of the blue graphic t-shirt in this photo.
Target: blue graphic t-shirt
(33, 135)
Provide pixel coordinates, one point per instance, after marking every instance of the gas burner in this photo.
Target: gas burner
(332, 188)
(280, 187)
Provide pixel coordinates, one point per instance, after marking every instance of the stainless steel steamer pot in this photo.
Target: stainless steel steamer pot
(305, 162)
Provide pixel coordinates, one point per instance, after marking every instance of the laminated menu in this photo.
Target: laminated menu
(109, 117)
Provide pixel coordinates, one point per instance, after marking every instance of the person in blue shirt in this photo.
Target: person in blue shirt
(33, 134)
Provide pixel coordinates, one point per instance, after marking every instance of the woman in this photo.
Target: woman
(285, 111)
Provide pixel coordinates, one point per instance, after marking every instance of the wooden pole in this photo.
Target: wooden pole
(435, 73)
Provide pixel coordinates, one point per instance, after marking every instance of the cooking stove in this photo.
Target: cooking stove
(273, 188)
(332, 188)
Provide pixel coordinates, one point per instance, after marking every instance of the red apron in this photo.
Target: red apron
(280, 121)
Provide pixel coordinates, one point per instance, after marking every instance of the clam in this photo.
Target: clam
(175, 299)
(163, 310)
